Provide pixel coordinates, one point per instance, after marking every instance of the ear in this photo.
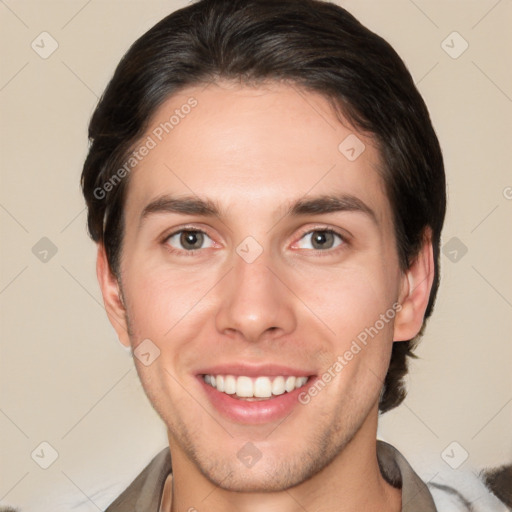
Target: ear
(112, 296)
(415, 292)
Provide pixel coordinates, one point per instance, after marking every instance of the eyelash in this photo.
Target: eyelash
(343, 238)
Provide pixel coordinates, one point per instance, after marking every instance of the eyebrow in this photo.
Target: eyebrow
(318, 205)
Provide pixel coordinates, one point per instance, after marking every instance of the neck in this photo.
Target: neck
(351, 482)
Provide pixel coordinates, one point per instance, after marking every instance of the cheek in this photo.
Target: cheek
(358, 308)
(163, 301)
(350, 299)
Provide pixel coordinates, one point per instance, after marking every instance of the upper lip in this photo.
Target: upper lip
(251, 370)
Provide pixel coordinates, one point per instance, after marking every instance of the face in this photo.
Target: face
(259, 264)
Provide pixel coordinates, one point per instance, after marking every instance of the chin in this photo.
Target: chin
(263, 481)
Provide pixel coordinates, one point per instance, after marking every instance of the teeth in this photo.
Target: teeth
(300, 382)
(229, 384)
(260, 387)
(278, 386)
(244, 387)
(289, 384)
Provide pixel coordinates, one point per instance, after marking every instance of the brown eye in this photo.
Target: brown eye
(188, 240)
(191, 239)
(321, 239)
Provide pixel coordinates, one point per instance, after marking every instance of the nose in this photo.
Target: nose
(255, 302)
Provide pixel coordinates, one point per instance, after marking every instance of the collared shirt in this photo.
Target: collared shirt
(145, 492)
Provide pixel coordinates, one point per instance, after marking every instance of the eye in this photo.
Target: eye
(321, 239)
(189, 240)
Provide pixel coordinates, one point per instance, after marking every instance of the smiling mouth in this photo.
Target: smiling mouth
(254, 389)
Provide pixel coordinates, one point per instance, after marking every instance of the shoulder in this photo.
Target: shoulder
(398, 472)
(145, 491)
(452, 490)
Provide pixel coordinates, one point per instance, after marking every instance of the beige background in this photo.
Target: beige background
(64, 377)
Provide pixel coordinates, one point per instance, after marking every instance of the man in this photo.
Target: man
(267, 194)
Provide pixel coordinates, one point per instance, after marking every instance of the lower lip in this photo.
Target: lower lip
(257, 412)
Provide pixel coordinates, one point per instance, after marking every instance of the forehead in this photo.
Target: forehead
(259, 147)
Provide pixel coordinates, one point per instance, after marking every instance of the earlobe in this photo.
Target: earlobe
(415, 292)
(112, 297)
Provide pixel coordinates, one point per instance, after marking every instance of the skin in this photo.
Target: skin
(255, 150)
